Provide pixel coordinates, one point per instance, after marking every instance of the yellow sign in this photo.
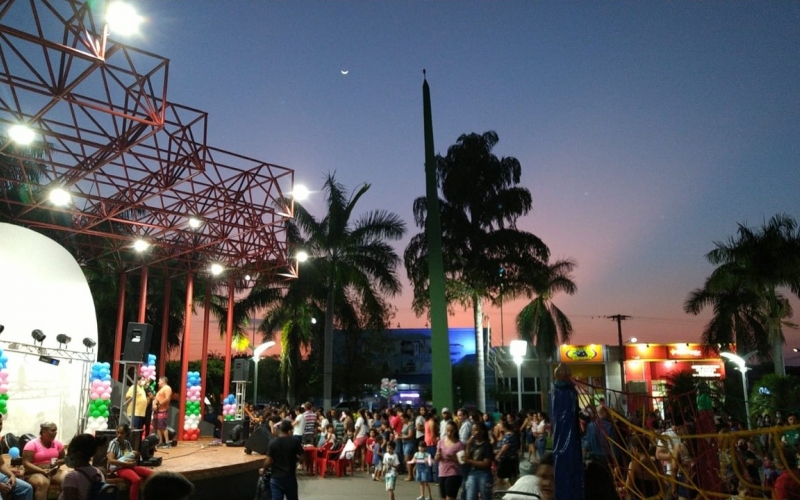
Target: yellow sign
(592, 353)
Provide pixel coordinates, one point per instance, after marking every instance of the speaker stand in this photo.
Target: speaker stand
(128, 382)
(240, 388)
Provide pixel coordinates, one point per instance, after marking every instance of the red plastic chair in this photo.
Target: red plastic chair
(329, 459)
(321, 462)
(340, 464)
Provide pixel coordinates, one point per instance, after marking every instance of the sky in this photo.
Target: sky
(646, 130)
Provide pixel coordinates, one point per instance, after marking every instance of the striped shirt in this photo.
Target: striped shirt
(311, 422)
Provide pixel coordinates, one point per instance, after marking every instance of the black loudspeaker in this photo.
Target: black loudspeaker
(258, 441)
(137, 342)
(241, 368)
(233, 430)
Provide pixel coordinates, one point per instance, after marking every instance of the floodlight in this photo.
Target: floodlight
(195, 223)
(89, 343)
(63, 339)
(519, 348)
(634, 340)
(247, 277)
(302, 256)
(140, 245)
(21, 134)
(216, 269)
(38, 336)
(300, 192)
(122, 19)
(60, 197)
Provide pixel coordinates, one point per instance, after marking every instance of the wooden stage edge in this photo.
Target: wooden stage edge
(200, 460)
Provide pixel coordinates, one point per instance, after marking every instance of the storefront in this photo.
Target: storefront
(588, 365)
(648, 367)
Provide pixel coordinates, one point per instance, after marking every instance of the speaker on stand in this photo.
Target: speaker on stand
(137, 342)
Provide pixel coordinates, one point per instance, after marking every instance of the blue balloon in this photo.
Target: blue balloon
(106, 378)
(13, 452)
(4, 359)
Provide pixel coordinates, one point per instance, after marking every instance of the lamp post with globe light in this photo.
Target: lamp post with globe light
(741, 365)
(518, 349)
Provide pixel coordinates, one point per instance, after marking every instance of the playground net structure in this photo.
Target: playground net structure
(706, 460)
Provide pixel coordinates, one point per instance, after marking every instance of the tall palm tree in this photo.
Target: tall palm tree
(354, 259)
(541, 322)
(481, 202)
(751, 268)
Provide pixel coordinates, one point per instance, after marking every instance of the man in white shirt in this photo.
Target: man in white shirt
(299, 425)
(446, 417)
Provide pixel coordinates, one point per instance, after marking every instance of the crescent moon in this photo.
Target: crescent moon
(345, 71)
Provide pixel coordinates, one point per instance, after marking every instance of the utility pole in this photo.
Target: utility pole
(619, 318)
(502, 289)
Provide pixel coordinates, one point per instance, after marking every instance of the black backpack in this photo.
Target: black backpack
(99, 489)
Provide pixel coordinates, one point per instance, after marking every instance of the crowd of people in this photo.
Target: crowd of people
(466, 453)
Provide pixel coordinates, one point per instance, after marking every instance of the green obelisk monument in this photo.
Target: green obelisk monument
(440, 336)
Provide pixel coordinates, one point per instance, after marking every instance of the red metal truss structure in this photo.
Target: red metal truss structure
(137, 166)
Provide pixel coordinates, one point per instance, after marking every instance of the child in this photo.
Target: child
(390, 462)
(376, 458)
(422, 471)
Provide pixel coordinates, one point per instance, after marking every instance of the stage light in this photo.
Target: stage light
(216, 269)
(60, 197)
(63, 339)
(195, 223)
(247, 277)
(21, 134)
(89, 343)
(301, 256)
(38, 336)
(300, 192)
(140, 245)
(122, 19)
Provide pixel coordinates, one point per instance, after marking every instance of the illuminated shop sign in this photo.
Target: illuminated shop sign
(706, 371)
(592, 353)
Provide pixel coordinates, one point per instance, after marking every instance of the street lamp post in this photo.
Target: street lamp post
(741, 365)
(519, 348)
(256, 356)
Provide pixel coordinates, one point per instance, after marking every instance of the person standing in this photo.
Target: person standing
(161, 411)
(309, 424)
(390, 463)
(447, 455)
(283, 455)
(136, 402)
(10, 486)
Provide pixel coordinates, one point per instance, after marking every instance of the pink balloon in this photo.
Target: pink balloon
(106, 395)
(3, 388)
(107, 384)
(95, 395)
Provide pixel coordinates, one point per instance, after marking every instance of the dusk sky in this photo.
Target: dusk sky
(646, 130)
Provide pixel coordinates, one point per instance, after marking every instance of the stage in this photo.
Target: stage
(217, 471)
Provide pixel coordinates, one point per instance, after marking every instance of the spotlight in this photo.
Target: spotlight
(216, 269)
(63, 339)
(21, 134)
(60, 197)
(246, 278)
(89, 343)
(140, 245)
(38, 336)
(302, 256)
(195, 223)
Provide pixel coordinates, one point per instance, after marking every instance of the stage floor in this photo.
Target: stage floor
(198, 460)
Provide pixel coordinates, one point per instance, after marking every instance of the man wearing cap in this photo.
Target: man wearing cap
(446, 417)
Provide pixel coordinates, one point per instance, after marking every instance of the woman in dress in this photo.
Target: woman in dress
(122, 461)
(409, 445)
(447, 457)
(542, 433)
(42, 459)
(361, 435)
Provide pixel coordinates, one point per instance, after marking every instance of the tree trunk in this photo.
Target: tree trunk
(544, 380)
(327, 362)
(480, 353)
(775, 334)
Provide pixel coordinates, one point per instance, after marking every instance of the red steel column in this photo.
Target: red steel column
(226, 387)
(162, 355)
(123, 282)
(204, 356)
(143, 296)
(187, 330)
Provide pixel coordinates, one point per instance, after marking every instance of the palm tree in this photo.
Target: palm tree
(541, 322)
(743, 288)
(355, 263)
(481, 202)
